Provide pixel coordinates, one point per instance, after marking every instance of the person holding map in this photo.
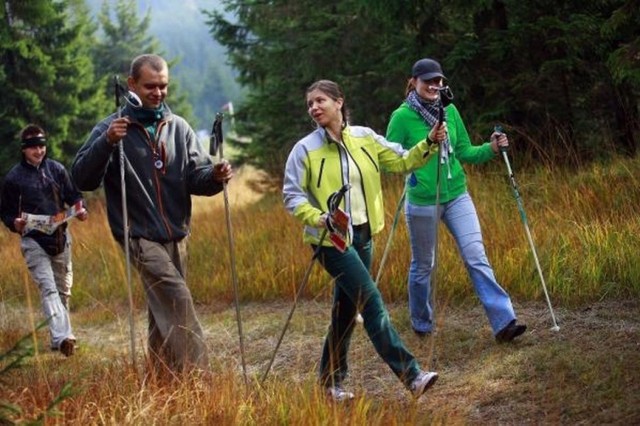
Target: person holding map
(38, 198)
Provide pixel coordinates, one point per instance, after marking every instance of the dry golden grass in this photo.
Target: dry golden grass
(587, 373)
(587, 233)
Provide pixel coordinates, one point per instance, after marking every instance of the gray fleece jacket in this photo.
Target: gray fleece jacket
(161, 174)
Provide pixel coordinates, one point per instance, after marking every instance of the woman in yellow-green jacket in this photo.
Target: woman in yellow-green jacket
(320, 164)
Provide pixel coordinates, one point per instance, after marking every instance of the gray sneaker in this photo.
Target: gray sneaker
(422, 382)
(337, 394)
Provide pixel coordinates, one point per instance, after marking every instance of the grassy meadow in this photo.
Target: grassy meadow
(586, 230)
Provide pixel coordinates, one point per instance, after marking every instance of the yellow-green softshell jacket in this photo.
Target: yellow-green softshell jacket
(317, 167)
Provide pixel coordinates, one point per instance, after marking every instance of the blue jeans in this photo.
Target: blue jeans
(355, 289)
(460, 217)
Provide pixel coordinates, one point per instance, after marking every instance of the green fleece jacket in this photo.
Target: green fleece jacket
(407, 127)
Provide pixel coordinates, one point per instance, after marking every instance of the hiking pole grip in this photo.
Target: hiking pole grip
(503, 150)
(116, 92)
(215, 140)
(334, 200)
(498, 129)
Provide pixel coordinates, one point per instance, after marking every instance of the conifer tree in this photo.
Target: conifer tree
(562, 75)
(46, 75)
(126, 36)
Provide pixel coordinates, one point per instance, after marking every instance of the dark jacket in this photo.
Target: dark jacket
(42, 190)
(158, 198)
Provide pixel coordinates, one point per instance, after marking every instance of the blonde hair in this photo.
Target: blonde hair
(411, 85)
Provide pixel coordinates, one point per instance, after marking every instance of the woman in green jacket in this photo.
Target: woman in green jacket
(332, 156)
(419, 114)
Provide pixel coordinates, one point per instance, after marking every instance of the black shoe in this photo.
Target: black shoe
(420, 333)
(68, 347)
(510, 332)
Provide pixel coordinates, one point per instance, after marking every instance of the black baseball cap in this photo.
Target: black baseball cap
(427, 69)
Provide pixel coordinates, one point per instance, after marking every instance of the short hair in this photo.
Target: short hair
(156, 62)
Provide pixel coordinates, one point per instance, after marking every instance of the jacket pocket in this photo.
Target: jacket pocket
(370, 159)
(320, 173)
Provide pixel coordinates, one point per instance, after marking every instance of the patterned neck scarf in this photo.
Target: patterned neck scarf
(430, 111)
(149, 118)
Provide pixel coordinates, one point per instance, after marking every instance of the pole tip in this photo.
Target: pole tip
(555, 328)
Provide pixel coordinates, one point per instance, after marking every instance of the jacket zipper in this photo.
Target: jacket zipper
(152, 147)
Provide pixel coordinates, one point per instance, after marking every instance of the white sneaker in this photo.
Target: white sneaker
(424, 381)
(338, 394)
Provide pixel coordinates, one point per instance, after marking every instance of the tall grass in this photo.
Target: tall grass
(586, 231)
(584, 225)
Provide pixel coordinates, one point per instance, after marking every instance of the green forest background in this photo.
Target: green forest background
(562, 77)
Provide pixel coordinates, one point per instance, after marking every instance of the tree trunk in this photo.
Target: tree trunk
(627, 122)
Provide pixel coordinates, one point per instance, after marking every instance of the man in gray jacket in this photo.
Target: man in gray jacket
(165, 165)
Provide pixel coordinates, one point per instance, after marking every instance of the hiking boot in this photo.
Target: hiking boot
(510, 332)
(337, 394)
(422, 382)
(68, 347)
(420, 333)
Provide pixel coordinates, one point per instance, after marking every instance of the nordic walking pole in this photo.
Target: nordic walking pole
(523, 217)
(436, 224)
(387, 247)
(333, 203)
(215, 144)
(434, 269)
(125, 224)
(307, 273)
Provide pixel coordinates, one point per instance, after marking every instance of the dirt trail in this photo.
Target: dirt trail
(544, 377)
